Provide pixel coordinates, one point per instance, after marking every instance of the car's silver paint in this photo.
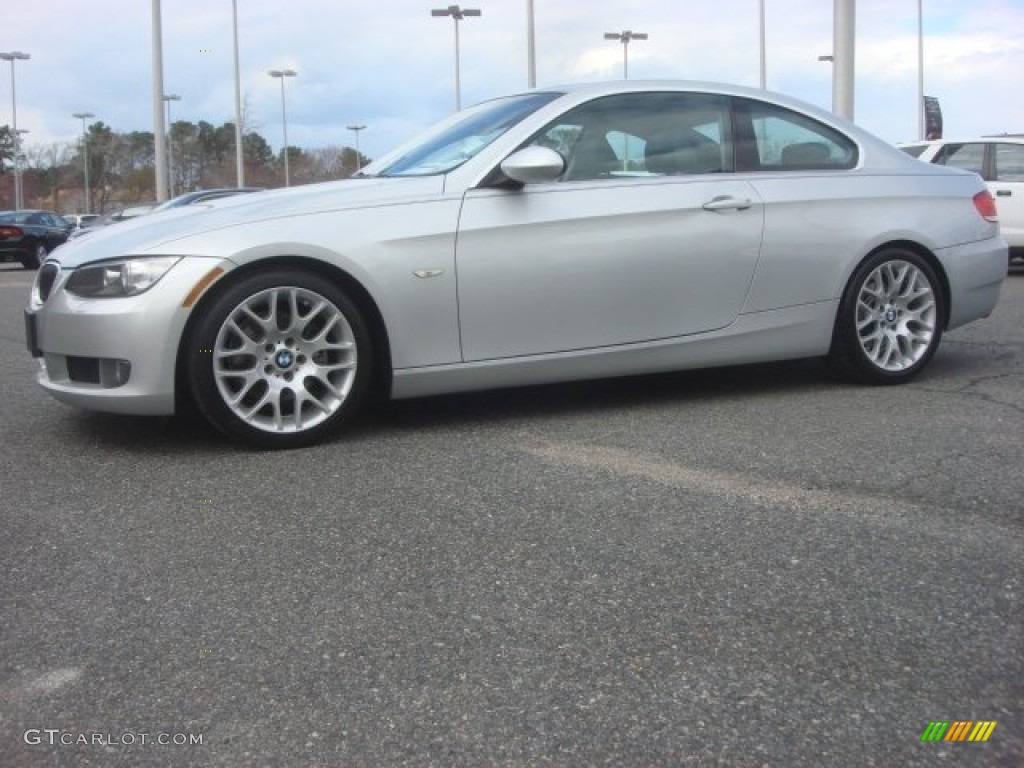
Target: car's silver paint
(146, 333)
(764, 284)
(533, 165)
(790, 333)
(557, 267)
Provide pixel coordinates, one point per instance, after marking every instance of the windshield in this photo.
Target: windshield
(473, 129)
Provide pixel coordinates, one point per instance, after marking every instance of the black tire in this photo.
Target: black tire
(259, 370)
(890, 319)
(35, 261)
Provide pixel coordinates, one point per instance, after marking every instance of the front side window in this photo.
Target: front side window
(779, 139)
(642, 134)
(969, 157)
(1009, 162)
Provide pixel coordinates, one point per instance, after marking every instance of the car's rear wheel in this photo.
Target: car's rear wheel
(280, 359)
(890, 319)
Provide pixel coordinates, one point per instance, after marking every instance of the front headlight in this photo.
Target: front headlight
(114, 279)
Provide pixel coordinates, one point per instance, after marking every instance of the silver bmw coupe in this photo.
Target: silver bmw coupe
(578, 232)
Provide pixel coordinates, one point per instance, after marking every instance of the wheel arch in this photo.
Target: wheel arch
(846, 350)
(380, 381)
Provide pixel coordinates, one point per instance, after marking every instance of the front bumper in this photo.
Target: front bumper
(116, 355)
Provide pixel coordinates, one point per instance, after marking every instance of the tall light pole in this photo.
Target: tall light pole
(13, 56)
(239, 147)
(19, 165)
(168, 98)
(159, 137)
(625, 37)
(457, 14)
(356, 129)
(282, 74)
(844, 23)
(531, 47)
(920, 72)
(83, 116)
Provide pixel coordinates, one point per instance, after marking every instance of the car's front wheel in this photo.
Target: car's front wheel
(890, 319)
(279, 359)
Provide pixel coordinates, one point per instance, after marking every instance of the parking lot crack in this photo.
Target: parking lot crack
(889, 510)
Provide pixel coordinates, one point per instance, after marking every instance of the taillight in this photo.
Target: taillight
(986, 205)
(8, 231)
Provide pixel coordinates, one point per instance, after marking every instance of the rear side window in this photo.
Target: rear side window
(969, 156)
(778, 139)
(1009, 162)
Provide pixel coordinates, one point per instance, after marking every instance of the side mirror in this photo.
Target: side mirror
(533, 165)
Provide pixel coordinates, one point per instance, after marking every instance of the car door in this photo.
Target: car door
(1007, 186)
(646, 236)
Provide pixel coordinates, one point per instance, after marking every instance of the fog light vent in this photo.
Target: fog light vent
(85, 370)
(114, 373)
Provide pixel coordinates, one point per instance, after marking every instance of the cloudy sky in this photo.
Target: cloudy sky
(389, 65)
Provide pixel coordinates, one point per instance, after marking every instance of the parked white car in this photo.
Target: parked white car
(593, 230)
(999, 160)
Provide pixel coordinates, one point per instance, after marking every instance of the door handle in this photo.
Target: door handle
(1004, 192)
(726, 203)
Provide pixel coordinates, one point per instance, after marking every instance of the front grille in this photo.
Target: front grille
(47, 277)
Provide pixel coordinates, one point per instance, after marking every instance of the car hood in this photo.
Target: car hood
(153, 232)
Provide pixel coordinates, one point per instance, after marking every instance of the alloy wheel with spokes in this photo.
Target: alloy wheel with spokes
(896, 315)
(890, 319)
(280, 359)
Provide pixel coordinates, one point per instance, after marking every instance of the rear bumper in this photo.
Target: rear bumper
(976, 272)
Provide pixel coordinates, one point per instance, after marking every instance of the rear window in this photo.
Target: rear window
(783, 140)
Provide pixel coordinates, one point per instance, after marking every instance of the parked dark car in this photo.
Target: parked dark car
(79, 220)
(143, 209)
(28, 236)
(128, 212)
(203, 196)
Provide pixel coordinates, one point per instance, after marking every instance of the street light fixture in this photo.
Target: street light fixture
(625, 38)
(168, 98)
(282, 74)
(83, 116)
(457, 14)
(13, 56)
(356, 129)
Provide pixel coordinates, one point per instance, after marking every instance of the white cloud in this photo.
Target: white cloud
(388, 64)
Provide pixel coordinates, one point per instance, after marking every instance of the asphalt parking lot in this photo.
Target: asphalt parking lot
(746, 567)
